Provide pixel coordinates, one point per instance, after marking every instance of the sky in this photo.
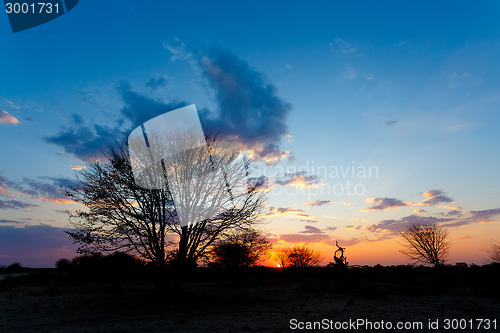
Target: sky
(362, 116)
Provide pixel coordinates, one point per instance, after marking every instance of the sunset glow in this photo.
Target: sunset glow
(357, 127)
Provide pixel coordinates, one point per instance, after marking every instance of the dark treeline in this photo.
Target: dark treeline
(366, 281)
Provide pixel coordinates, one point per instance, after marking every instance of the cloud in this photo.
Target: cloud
(385, 203)
(350, 73)
(6, 118)
(476, 216)
(396, 226)
(35, 246)
(50, 189)
(158, 81)
(304, 238)
(249, 108)
(265, 182)
(487, 214)
(273, 211)
(178, 48)
(15, 204)
(433, 197)
(4, 191)
(309, 229)
(318, 203)
(283, 210)
(299, 179)
(139, 108)
(85, 142)
(9, 221)
(342, 46)
(465, 237)
(348, 242)
(454, 213)
(455, 80)
(355, 227)
(390, 122)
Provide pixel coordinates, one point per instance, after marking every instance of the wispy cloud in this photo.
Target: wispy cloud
(47, 189)
(304, 238)
(318, 203)
(395, 226)
(299, 179)
(340, 45)
(15, 204)
(309, 229)
(158, 81)
(9, 221)
(455, 79)
(273, 211)
(351, 73)
(6, 118)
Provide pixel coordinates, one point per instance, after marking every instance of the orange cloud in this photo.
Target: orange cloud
(4, 192)
(63, 201)
(289, 211)
(299, 179)
(6, 118)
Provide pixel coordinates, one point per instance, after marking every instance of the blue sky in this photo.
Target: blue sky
(409, 88)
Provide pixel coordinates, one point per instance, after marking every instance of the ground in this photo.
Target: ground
(257, 301)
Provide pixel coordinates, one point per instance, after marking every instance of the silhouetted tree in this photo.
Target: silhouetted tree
(63, 264)
(303, 256)
(281, 257)
(122, 216)
(340, 260)
(240, 249)
(426, 243)
(494, 253)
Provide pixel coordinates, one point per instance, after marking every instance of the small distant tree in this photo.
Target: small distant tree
(426, 243)
(281, 257)
(63, 264)
(240, 249)
(303, 256)
(494, 253)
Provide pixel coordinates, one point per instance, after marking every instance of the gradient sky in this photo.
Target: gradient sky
(407, 92)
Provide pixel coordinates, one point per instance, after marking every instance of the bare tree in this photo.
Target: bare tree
(341, 260)
(303, 256)
(120, 215)
(240, 249)
(494, 252)
(426, 243)
(281, 257)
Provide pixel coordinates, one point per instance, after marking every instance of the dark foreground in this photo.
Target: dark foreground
(256, 300)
